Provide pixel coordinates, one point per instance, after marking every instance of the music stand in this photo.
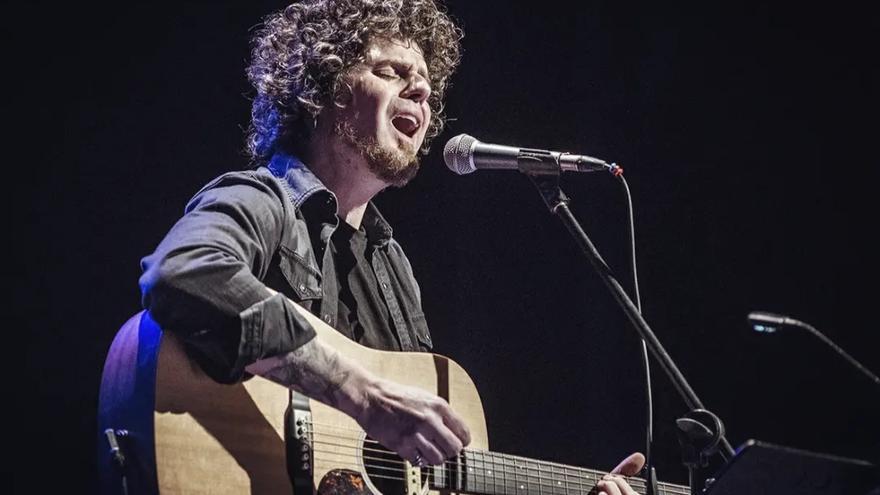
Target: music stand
(762, 468)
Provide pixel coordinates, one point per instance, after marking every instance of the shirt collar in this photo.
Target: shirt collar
(305, 185)
(377, 228)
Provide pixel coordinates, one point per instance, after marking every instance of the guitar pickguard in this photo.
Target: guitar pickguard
(343, 482)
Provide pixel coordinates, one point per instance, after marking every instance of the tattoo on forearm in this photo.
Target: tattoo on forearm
(314, 371)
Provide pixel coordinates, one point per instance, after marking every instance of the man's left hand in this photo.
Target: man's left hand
(614, 483)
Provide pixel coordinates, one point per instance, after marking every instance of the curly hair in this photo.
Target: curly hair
(301, 54)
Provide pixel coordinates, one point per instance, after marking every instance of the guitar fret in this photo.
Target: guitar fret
(469, 477)
(512, 484)
(517, 487)
(534, 476)
(540, 480)
(485, 473)
(508, 487)
(504, 484)
(458, 475)
(491, 475)
(568, 487)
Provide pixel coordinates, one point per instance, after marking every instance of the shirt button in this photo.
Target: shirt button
(384, 285)
(328, 318)
(302, 287)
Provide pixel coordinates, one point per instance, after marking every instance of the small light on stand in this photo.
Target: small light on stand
(761, 328)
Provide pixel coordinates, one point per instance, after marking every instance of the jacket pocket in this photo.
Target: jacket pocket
(304, 280)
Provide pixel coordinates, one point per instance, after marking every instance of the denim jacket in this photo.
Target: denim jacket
(245, 231)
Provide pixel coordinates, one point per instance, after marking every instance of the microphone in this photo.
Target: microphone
(463, 154)
(763, 322)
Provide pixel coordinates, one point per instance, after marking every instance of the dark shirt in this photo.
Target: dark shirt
(360, 312)
(269, 227)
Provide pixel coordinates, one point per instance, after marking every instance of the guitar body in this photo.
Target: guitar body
(184, 433)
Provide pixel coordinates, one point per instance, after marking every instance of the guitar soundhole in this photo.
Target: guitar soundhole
(386, 471)
(383, 474)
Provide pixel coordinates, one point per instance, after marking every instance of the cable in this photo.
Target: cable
(649, 428)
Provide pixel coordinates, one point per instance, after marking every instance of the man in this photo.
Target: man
(348, 93)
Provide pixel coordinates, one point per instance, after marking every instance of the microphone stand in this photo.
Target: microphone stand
(698, 440)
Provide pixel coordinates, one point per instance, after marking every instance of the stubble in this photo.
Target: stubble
(396, 166)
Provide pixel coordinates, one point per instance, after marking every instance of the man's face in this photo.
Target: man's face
(387, 115)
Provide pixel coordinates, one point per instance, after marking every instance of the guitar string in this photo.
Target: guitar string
(387, 478)
(364, 449)
(392, 478)
(591, 474)
(515, 476)
(595, 476)
(505, 483)
(496, 493)
(504, 457)
(359, 436)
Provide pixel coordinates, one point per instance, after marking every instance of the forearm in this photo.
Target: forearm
(319, 371)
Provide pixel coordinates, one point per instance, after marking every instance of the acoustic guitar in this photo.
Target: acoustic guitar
(178, 431)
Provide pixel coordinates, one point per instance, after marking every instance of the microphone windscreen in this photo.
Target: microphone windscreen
(457, 154)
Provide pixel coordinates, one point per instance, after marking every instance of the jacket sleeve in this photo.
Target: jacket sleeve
(203, 281)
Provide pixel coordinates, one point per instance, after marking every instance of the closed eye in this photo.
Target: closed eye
(386, 72)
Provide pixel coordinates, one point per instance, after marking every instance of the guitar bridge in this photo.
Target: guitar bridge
(300, 441)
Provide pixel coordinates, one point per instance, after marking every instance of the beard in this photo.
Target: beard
(396, 166)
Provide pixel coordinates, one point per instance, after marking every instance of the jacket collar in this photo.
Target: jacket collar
(303, 184)
(305, 187)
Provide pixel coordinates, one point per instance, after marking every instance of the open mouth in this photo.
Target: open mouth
(406, 124)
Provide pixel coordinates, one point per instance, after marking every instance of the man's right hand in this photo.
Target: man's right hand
(421, 427)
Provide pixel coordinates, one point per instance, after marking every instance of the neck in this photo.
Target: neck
(344, 172)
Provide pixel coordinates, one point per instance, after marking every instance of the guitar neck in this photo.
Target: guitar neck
(489, 473)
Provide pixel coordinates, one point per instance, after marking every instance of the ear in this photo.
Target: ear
(343, 95)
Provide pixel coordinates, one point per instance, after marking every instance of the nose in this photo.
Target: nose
(417, 89)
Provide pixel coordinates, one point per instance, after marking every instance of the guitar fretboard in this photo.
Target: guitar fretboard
(490, 473)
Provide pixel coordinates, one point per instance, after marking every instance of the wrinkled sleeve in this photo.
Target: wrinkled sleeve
(203, 281)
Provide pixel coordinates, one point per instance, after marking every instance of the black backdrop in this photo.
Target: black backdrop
(742, 128)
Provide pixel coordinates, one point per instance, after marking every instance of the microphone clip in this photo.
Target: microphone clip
(548, 187)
